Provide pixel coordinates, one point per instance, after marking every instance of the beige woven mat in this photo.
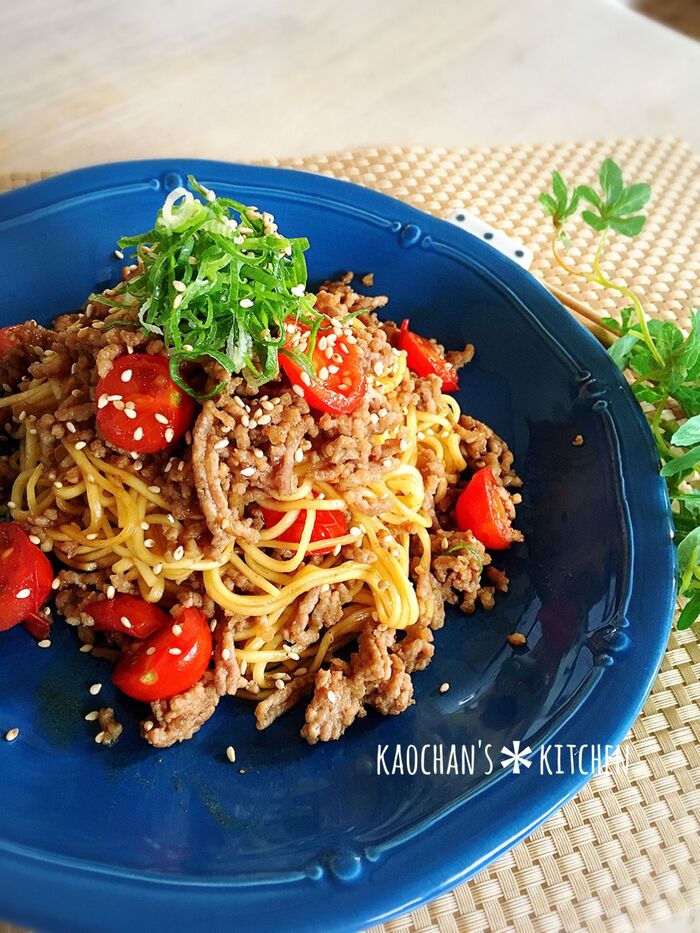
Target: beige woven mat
(625, 852)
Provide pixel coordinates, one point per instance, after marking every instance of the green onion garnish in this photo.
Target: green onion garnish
(219, 281)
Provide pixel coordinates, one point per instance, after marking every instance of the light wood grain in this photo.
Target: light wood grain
(93, 81)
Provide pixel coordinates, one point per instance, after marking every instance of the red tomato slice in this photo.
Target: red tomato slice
(166, 664)
(128, 615)
(328, 523)
(8, 338)
(425, 359)
(25, 576)
(480, 510)
(337, 392)
(38, 625)
(160, 411)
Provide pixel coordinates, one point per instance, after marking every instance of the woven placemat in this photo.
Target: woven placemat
(625, 852)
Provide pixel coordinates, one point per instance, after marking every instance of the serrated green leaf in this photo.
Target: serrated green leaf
(560, 192)
(686, 462)
(611, 180)
(628, 226)
(613, 325)
(688, 433)
(688, 551)
(626, 316)
(690, 613)
(632, 199)
(593, 220)
(620, 351)
(591, 195)
(548, 202)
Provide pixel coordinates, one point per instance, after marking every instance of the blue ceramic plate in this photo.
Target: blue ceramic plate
(314, 838)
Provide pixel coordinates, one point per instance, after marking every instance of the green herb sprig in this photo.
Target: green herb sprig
(663, 363)
(217, 280)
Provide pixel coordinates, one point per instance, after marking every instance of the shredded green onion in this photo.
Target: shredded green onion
(217, 280)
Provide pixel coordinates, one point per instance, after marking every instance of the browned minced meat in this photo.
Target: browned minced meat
(110, 728)
(374, 676)
(227, 674)
(178, 719)
(282, 700)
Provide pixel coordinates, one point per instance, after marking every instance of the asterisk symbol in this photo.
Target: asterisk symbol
(514, 756)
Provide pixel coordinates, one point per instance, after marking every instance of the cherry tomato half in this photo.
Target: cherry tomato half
(337, 392)
(25, 576)
(127, 614)
(147, 411)
(480, 510)
(424, 358)
(166, 664)
(327, 524)
(8, 338)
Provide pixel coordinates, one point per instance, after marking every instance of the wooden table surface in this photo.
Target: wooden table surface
(86, 81)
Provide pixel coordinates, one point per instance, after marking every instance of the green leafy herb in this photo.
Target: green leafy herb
(662, 362)
(217, 280)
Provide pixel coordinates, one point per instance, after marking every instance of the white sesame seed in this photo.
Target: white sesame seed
(99, 738)
(138, 434)
(174, 651)
(95, 689)
(279, 683)
(245, 303)
(161, 419)
(177, 301)
(355, 530)
(179, 553)
(125, 622)
(130, 413)
(298, 455)
(150, 651)
(11, 734)
(81, 445)
(92, 536)
(118, 253)
(220, 445)
(92, 715)
(264, 419)
(35, 539)
(115, 398)
(86, 649)
(155, 489)
(298, 391)
(298, 290)
(226, 654)
(157, 569)
(11, 504)
(231, 754)
(248, 471)
(70, 426)
(176, 629)
(23, 593)
(58, 484)
(331, 696)
(305, 378)
(103, 401)
(169, 434)
(111, 592)
(336, 550)
(126, 375)
(179, 286)
(147, 725)
(323, 374)
(444, 687)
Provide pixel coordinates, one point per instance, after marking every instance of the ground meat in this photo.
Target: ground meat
(281, 701)
(178, 719)
(457, 567)
(372, 677)
(110, 728)
(416, 648)
(482, 447)
(227, 675)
